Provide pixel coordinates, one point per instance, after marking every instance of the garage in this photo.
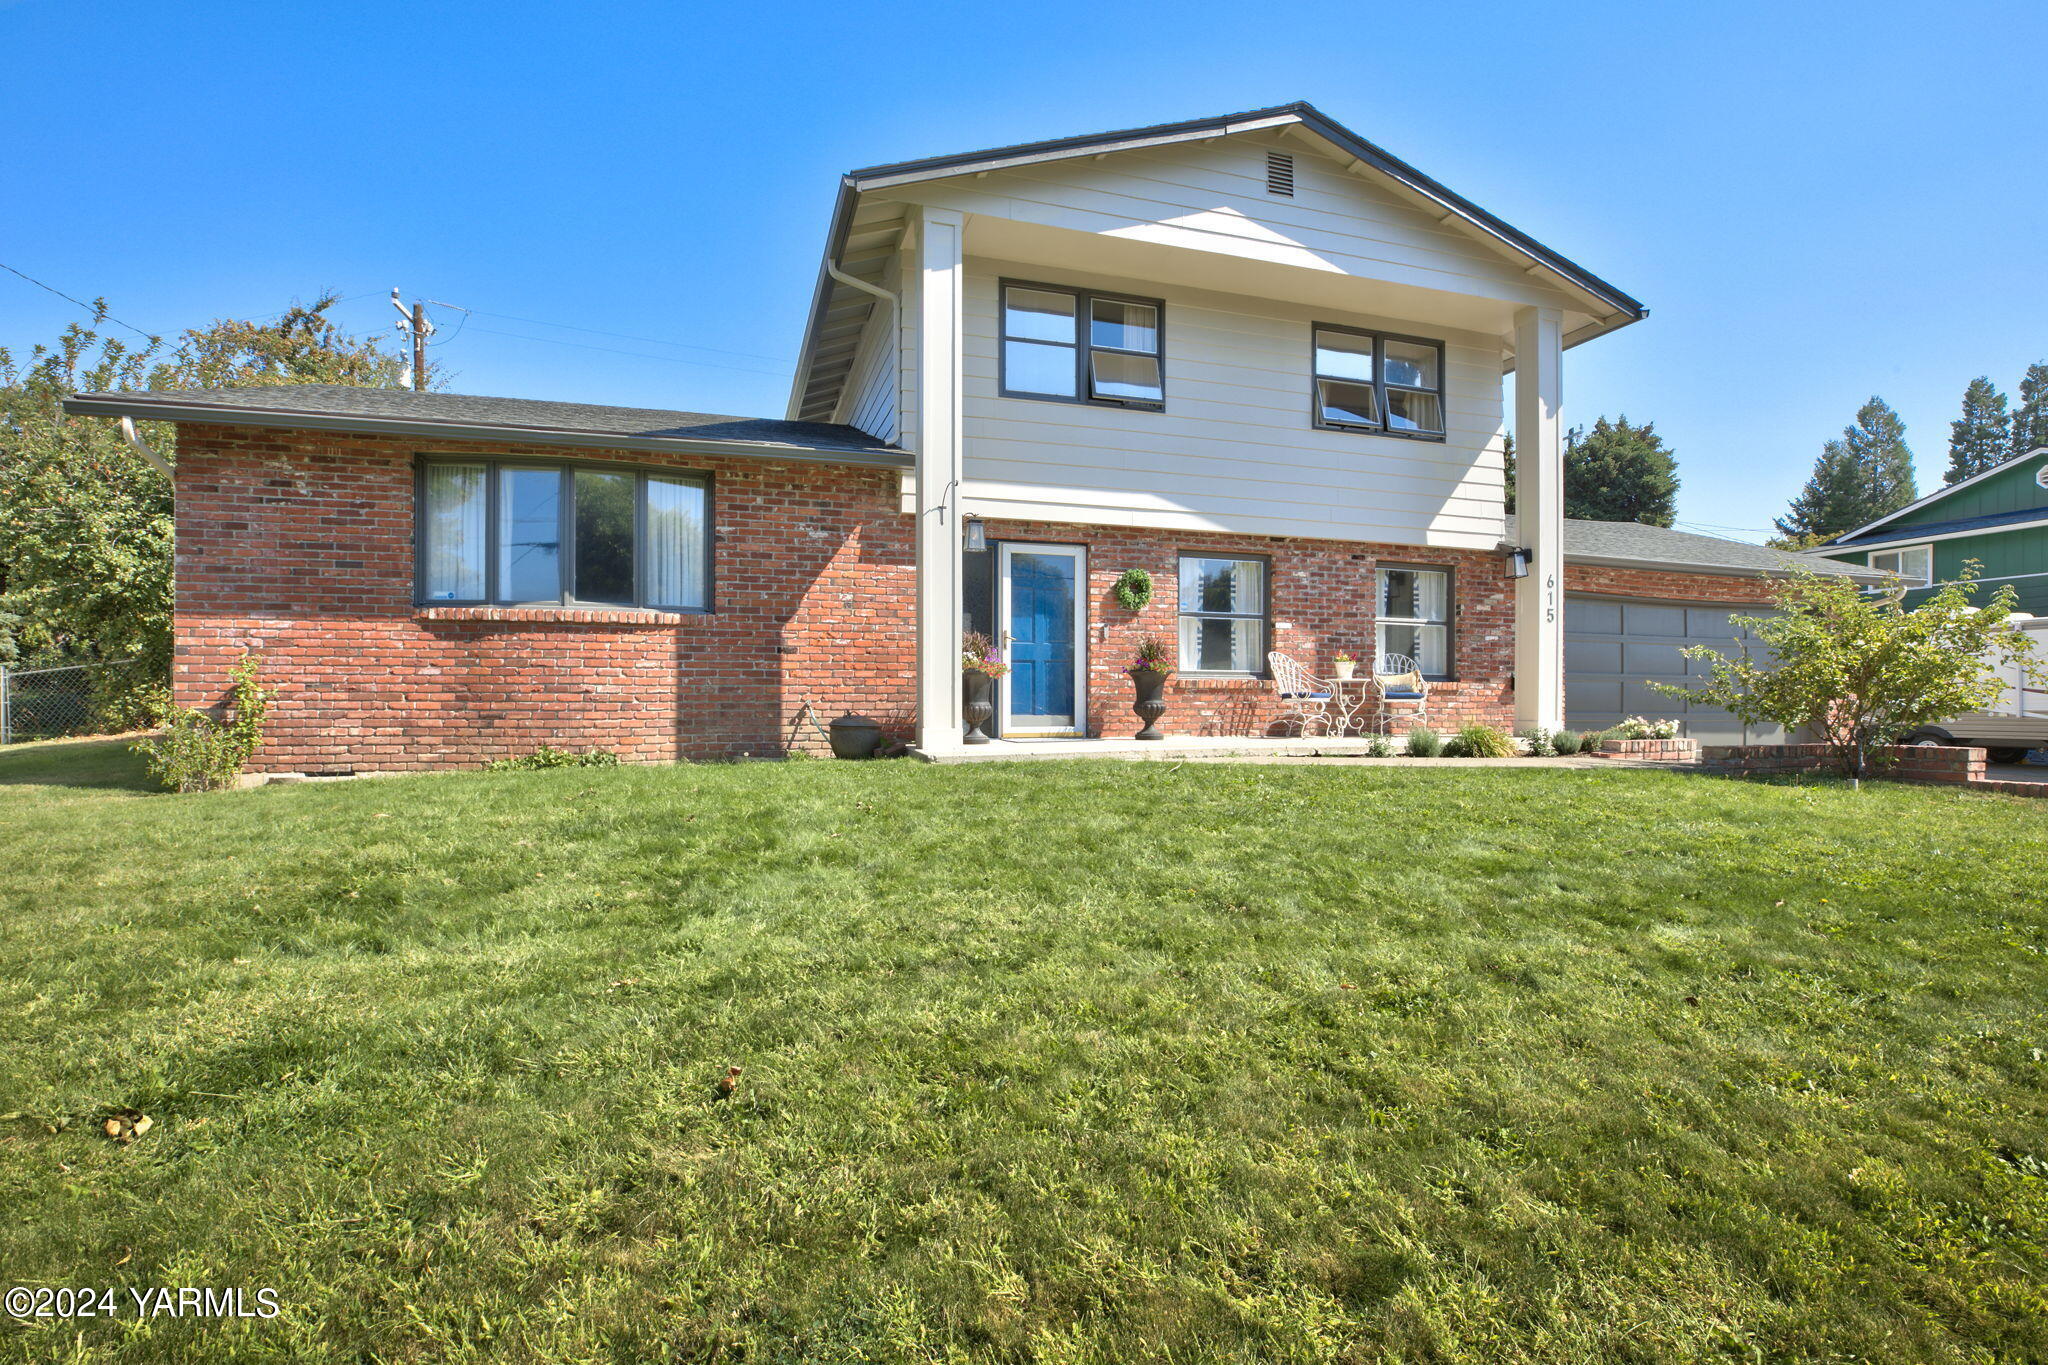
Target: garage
(1616, 648)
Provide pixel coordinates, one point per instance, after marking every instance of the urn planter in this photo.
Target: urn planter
(1151, 703)
(976, 708)
(1345, 669)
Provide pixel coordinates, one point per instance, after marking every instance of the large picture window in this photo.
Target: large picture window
(1079, 346)
(1223, 605)
(518, 533)
(1369, 381)
(1415, 617)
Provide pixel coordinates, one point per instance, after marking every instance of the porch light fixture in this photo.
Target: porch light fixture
(1518, 563)
(975, 536)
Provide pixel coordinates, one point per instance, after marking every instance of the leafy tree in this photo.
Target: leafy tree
(2030, 417)
(1619, 471)
(1862, 476)
(1982, 436)
(85, 522)
(1858, 667)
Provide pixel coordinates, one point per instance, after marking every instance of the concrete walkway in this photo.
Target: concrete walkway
(1349, 751)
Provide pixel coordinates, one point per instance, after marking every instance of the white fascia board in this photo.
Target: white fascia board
(1938, 494)
(1907, 540)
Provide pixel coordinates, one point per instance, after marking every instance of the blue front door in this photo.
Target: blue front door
(1042, 601)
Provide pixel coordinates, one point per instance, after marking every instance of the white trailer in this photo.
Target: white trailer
(2018, 720)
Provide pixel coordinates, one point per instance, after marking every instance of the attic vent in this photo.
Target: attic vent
(1280, 174)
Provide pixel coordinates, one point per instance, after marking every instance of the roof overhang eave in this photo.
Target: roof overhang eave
(221, 415)
(1712, 570)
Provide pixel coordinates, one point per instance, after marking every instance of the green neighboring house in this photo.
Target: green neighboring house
(1999, 518)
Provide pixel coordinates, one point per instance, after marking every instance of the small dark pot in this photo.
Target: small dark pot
(976, 709)
(855, 737)
(1151, 704)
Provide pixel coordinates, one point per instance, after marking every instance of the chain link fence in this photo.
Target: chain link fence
(76, 699)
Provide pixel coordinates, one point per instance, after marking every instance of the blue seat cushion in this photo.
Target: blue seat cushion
(1403, 694)
(1305, 696)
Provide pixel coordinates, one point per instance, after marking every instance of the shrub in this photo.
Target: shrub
(1542, 743)
(197, 753)
(1481, 741)
(1636, 727)
(547, 756)
(1379, 746)
(1424, 742)
(1568, 742)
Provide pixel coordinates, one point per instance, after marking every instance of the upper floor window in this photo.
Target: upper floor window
(1081, 346)
(1914, 563)
(1370, 381)
(526, 533)
(1222, 615)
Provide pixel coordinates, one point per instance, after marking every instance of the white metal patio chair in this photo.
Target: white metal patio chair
(1397, 681)
(1306, 697)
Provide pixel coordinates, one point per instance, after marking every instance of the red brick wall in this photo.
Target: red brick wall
(1322, 602)
(1660, 583)
(299, 545)
(1905, 762)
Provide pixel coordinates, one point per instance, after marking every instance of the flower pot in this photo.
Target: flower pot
(976, 708)
(855, 737)
(1151, 703)
(1345, 668)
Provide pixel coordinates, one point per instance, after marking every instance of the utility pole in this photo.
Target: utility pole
(415, 324)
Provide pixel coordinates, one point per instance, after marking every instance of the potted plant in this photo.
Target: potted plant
(1149, 671)
(981, 663)
(1346, 666)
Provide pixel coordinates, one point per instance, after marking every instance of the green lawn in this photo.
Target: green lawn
(1049, 1062)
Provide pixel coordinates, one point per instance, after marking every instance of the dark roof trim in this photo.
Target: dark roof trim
(1938, 494)
(1300, 112)
(853, 184)
(225, 414)
(1939, 530)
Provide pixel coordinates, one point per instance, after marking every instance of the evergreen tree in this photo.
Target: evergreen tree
(1620, 472)
(1859, 478)
(2030, 418)
(1982, 436)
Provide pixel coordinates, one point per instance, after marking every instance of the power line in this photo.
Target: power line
(643, 355)
(90, 308)
(599, 331)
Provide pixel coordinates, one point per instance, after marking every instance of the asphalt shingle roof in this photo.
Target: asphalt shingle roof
(1631, 540)
(338, 404)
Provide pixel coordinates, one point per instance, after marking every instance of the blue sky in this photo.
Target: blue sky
(1818, 202)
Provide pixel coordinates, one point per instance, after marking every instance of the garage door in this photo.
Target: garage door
(1614, 649)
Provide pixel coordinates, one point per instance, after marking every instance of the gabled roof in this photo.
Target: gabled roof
(454, 416)
(1941, 530)
(1624, 309)
(1937, 495)
(1630, 544)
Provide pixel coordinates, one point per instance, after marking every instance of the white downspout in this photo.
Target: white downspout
(141, 447)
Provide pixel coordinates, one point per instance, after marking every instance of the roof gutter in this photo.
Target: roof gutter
(213, 414)
(1713, 570)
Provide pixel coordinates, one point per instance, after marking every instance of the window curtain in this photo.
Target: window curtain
(455, 532)
(1430, 601)
(675, 544)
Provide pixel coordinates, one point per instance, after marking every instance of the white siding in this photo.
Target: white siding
(1212, 197)
(1235, 449)
(874, 388)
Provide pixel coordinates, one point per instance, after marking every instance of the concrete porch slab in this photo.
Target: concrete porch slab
(1237, 749)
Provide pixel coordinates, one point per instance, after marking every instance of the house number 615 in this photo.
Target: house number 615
(1549, 598)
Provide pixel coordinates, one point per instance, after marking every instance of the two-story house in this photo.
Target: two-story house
(1255, 356)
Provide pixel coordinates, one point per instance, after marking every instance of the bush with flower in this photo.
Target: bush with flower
(978, 654)
(1635, 727)
(1152, 657)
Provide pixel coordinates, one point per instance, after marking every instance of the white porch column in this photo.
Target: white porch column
(1539, 500)
(940, 288)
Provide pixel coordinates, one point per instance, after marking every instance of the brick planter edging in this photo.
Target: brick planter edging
(1951, 764)
(1669, 750)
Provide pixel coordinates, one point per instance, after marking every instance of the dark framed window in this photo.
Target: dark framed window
(1378, 382)
(1082, 346)
(1225, 614)
(1414, 607)
(537, 532)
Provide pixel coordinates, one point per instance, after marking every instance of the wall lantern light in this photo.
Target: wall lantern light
(1518, 564)
(976, 536)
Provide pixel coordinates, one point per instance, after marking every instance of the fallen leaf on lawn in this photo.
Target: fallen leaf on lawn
(1346, 986)
(1692, 1000)
(729, 1082)
(127, 1255)
(126, 1125)
(1777, 902)
(382, 815)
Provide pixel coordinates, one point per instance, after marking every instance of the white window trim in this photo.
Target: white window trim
(1901, 551)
